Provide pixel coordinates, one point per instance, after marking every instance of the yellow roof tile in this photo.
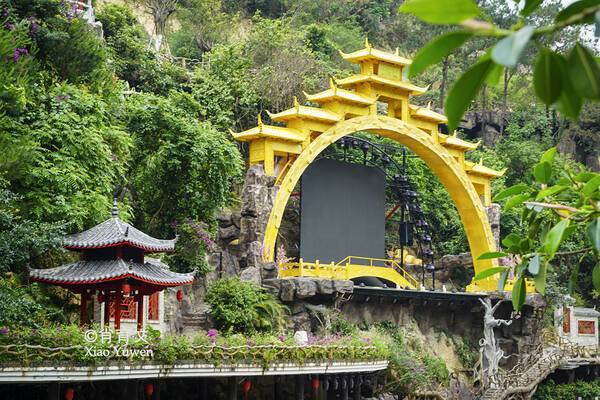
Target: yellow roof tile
(427, 114)
(269, 131)
(305, 112)
(335, 93)
(369, 53)
(482, 170)
(457, 143)
(354, 79)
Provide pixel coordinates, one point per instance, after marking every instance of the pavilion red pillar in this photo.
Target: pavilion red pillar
(140, 312)
(118, 297)
(83, 314)
(106, 311)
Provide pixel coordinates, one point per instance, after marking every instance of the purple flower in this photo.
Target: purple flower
(4, 13)
(212, 335)
(9, 25)
(34, 28)
(281, 338)
(4, 330)
(19, 52)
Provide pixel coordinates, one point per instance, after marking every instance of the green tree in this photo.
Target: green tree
(182, 169)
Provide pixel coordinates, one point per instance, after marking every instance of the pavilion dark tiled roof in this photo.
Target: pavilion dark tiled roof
(81, 272)
(114, 231)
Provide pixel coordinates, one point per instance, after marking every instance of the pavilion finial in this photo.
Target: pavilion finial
(397, 52)
(296, 104)
(259, 120)
(332, 84)
(429, 105)
(367, 44)
(115, 208)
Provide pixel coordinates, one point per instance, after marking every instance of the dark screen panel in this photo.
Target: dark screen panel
(343, 211)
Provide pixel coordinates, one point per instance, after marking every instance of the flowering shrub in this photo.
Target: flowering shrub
(71, 343)
(192, 246)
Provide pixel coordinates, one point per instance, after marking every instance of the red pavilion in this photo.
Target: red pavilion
(113, 267)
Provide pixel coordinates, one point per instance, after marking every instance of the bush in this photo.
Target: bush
(551, 390)
(242, 306)
(19, 306)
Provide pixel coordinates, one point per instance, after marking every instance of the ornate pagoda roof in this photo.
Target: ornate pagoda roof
(113, 232)
(370, 53)
(152, 271)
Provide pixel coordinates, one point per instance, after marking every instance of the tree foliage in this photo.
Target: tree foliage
(240, 306)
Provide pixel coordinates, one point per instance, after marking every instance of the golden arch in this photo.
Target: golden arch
(441, 162)
(353, 104)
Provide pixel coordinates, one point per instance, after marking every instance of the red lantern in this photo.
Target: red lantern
(126, 289)
(69, 394)
(179, 295)
(149, 389)
(246, 385)
(314, 383)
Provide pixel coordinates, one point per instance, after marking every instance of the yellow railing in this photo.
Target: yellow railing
(347, 269)
(307, 269)
(380, 262)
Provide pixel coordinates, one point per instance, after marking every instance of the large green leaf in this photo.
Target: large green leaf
(502, 280)
(552, 190)
(584, 72)
(534, 265)
(554, 238)
(576, 8)
(490, 255)
(547, 76)
(584, 176)
(519, 293)
(511, 191)
(569, 102)
(515, 201)
(548, 155)
(597, 18)
(489, 272)
(508, 50)
(596, 276)
(591, 186)
(530, 6)
(465, 89)
(593, 233)
(441, 11)
(540, 278)
(511, 240)
(436, 50)
(542, 172)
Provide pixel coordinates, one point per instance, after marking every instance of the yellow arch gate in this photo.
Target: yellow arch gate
(351, 105)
